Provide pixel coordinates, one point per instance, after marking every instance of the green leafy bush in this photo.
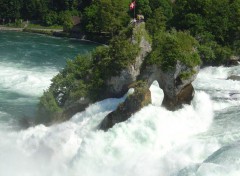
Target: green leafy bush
(214, 54)
(106, 16)
(187, 74)
(65, 19)
(50, 18)
(214, 23)
(70, 84)
(168, 47)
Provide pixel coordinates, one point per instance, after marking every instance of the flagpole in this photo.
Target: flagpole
(134, 10)
(132, 7)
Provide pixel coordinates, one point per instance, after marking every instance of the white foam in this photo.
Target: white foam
(137, 147)
(24, 80)
(152, 142)
(224, 92)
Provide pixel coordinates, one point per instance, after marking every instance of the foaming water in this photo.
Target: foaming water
(213, 80)
(143, 145)
(25, 81)
(152, 142)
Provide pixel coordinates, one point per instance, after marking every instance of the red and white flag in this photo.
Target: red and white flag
(132, 5)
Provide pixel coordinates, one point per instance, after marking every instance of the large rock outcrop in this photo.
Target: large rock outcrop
(233, 61)
(234, 78)
(141, 97)
(176, 83)
(175, 65)
(79, 85)
(118, 85)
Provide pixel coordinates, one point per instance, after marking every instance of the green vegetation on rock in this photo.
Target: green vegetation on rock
(86, 76)
(187, 74)
(69, 85)
(170, 47)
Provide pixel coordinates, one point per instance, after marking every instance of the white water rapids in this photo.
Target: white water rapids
(153, 142)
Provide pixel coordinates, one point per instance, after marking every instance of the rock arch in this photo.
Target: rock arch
(176, 83)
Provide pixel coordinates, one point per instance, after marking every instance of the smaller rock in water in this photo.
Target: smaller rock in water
(133, 103)
(234, 78)
(233, 61)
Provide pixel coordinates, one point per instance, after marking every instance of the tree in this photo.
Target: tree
(214, 23)
(165, 5)
(168, 47)
(65, 19)
(156, 23)
(34, 9)
(10, 9)
(234, 21)
(143, 7)
(108, 16)
(50, 18)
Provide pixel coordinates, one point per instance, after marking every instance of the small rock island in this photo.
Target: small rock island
(131, 60)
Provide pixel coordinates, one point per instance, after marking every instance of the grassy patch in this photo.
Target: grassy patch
(187, 74)
(38, 26)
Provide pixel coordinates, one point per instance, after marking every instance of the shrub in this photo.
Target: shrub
(168, 47)
(50, 18)
(69, 84)
(65, 19)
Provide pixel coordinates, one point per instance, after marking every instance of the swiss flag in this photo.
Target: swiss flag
(132, 5)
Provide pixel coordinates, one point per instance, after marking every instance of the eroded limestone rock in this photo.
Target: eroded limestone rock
(133, 103)
(118, 85)
(176, 83)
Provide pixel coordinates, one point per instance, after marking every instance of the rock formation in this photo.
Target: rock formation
(176, 83)
(59, 104)
(233, 61)
(234, 78)
(177, 89)
(118, 85)
(133, 103)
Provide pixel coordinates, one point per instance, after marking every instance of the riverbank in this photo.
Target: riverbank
(50, 32)
(4, 28)
(45, 31)
(95, 38)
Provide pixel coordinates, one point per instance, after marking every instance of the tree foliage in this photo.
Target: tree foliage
(105, 16)
(214, 23)
(170, 47)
